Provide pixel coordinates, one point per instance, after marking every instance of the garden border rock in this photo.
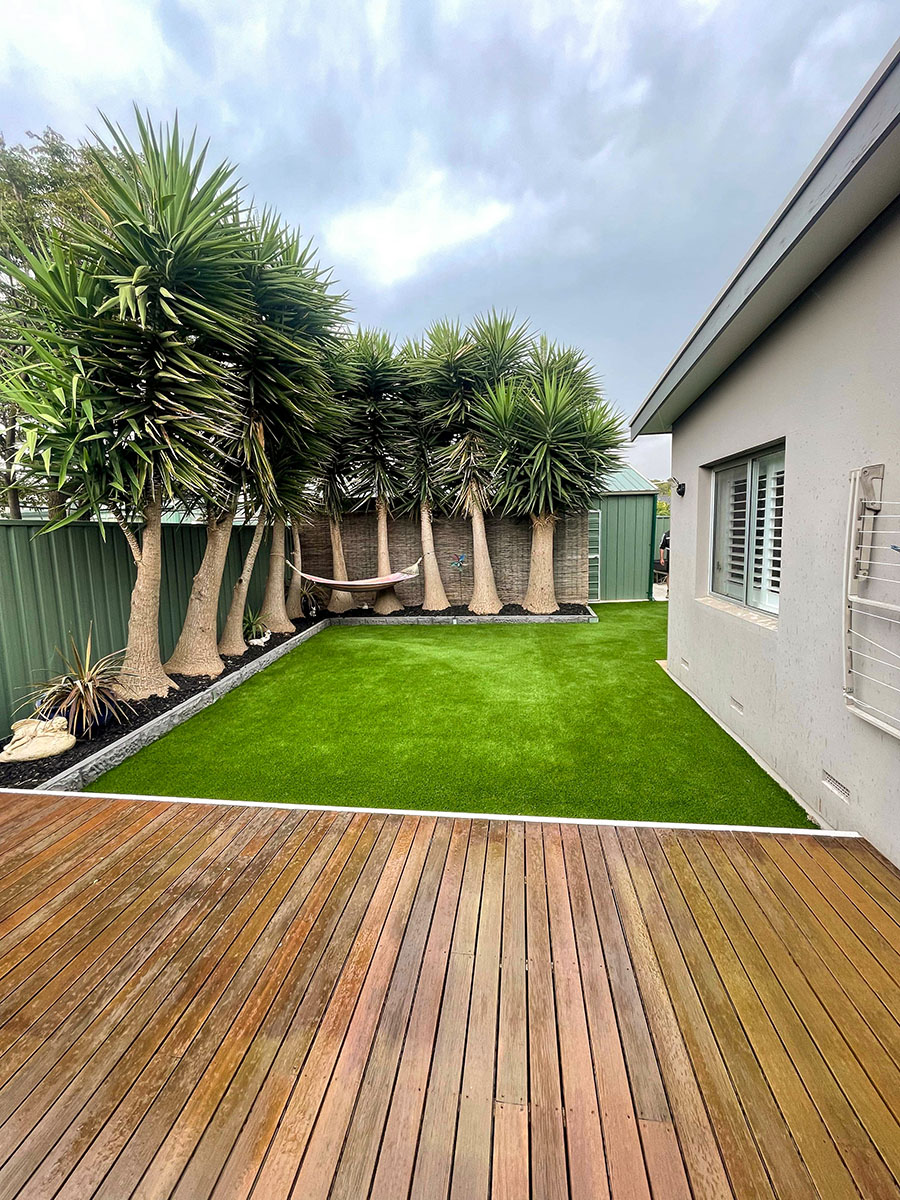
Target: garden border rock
(76, 778)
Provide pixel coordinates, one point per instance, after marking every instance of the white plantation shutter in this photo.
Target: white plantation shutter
(765, 525)
(747, 526)
(730, 535)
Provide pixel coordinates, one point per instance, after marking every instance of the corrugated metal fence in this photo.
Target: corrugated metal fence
(621, 547)
(56, 583)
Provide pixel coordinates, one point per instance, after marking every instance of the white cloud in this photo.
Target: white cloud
(814, 70)
(77, 54)
(392, 239)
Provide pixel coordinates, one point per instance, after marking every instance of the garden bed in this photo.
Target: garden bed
(462, 610)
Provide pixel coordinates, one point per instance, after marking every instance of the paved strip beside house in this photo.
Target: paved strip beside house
(232, 1001)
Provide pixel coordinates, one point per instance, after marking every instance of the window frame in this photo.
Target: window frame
(750, 461)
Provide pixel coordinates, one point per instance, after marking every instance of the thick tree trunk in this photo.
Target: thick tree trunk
(142, 670)
(339, 601)
(294, 603)
(388, 601)
(232, 640)
(435, 595)
(196, 652)
(541, 594)
(8, 492)
(485, 598)
(274, 613)
(12, 497)
(56, 505)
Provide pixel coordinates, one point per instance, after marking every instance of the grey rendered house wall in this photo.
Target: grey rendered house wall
(826, 380)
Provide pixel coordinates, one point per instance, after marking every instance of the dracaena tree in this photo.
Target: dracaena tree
(551, 440)
(424, 473)
(377, 436)
(310, 317)
(293, 315)
(335, 486)
(336, 496)
(128, 401)
(456, 367)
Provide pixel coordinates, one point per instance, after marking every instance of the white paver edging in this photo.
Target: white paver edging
(429, 812)
(88, 769)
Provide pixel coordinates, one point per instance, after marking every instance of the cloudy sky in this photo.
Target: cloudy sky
(600, 166)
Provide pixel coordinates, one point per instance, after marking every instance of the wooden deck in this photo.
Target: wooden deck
(211, 1001)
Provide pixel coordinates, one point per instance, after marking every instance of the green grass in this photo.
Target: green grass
(567, 720)
(563, 720)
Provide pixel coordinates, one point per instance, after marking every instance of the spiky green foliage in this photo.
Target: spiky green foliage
(456, 364)
(336, 486)
(291, 411)
(124, 386)
(424, 467)
(335, 489)
(87, 693)
(254, 625)
(455, 367)
(169, 240)
(565, 363)
(378, 418)
(551, 443)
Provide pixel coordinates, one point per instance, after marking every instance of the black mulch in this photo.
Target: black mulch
(33, 774)
(462, 610)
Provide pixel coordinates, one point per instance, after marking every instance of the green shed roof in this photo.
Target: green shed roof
(627, 479)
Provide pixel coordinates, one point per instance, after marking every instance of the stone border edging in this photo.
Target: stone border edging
(589, 617)
(76, 778)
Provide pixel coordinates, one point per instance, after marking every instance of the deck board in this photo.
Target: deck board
(211, 1001)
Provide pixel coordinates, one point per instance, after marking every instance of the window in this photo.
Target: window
(749, 498)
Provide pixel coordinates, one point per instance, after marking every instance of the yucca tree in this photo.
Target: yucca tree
(456, 367)
(424, 474)
(552, 442)
(125, 406)
(377, 436)
(304, 315)
(287, 409)
(295, 469)
(336, 495)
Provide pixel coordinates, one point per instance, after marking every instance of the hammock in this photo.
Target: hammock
(379, 584)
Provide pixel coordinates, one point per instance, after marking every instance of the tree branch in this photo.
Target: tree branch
(133, 544)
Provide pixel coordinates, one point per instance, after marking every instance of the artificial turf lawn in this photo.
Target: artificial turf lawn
(563, 720)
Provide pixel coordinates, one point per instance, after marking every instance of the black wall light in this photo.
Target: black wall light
(680, 488)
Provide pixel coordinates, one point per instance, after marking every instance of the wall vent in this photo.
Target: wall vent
(736, 705)
(835, 785)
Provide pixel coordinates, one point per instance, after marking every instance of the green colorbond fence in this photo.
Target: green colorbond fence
(54, 583)
(621, 545)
